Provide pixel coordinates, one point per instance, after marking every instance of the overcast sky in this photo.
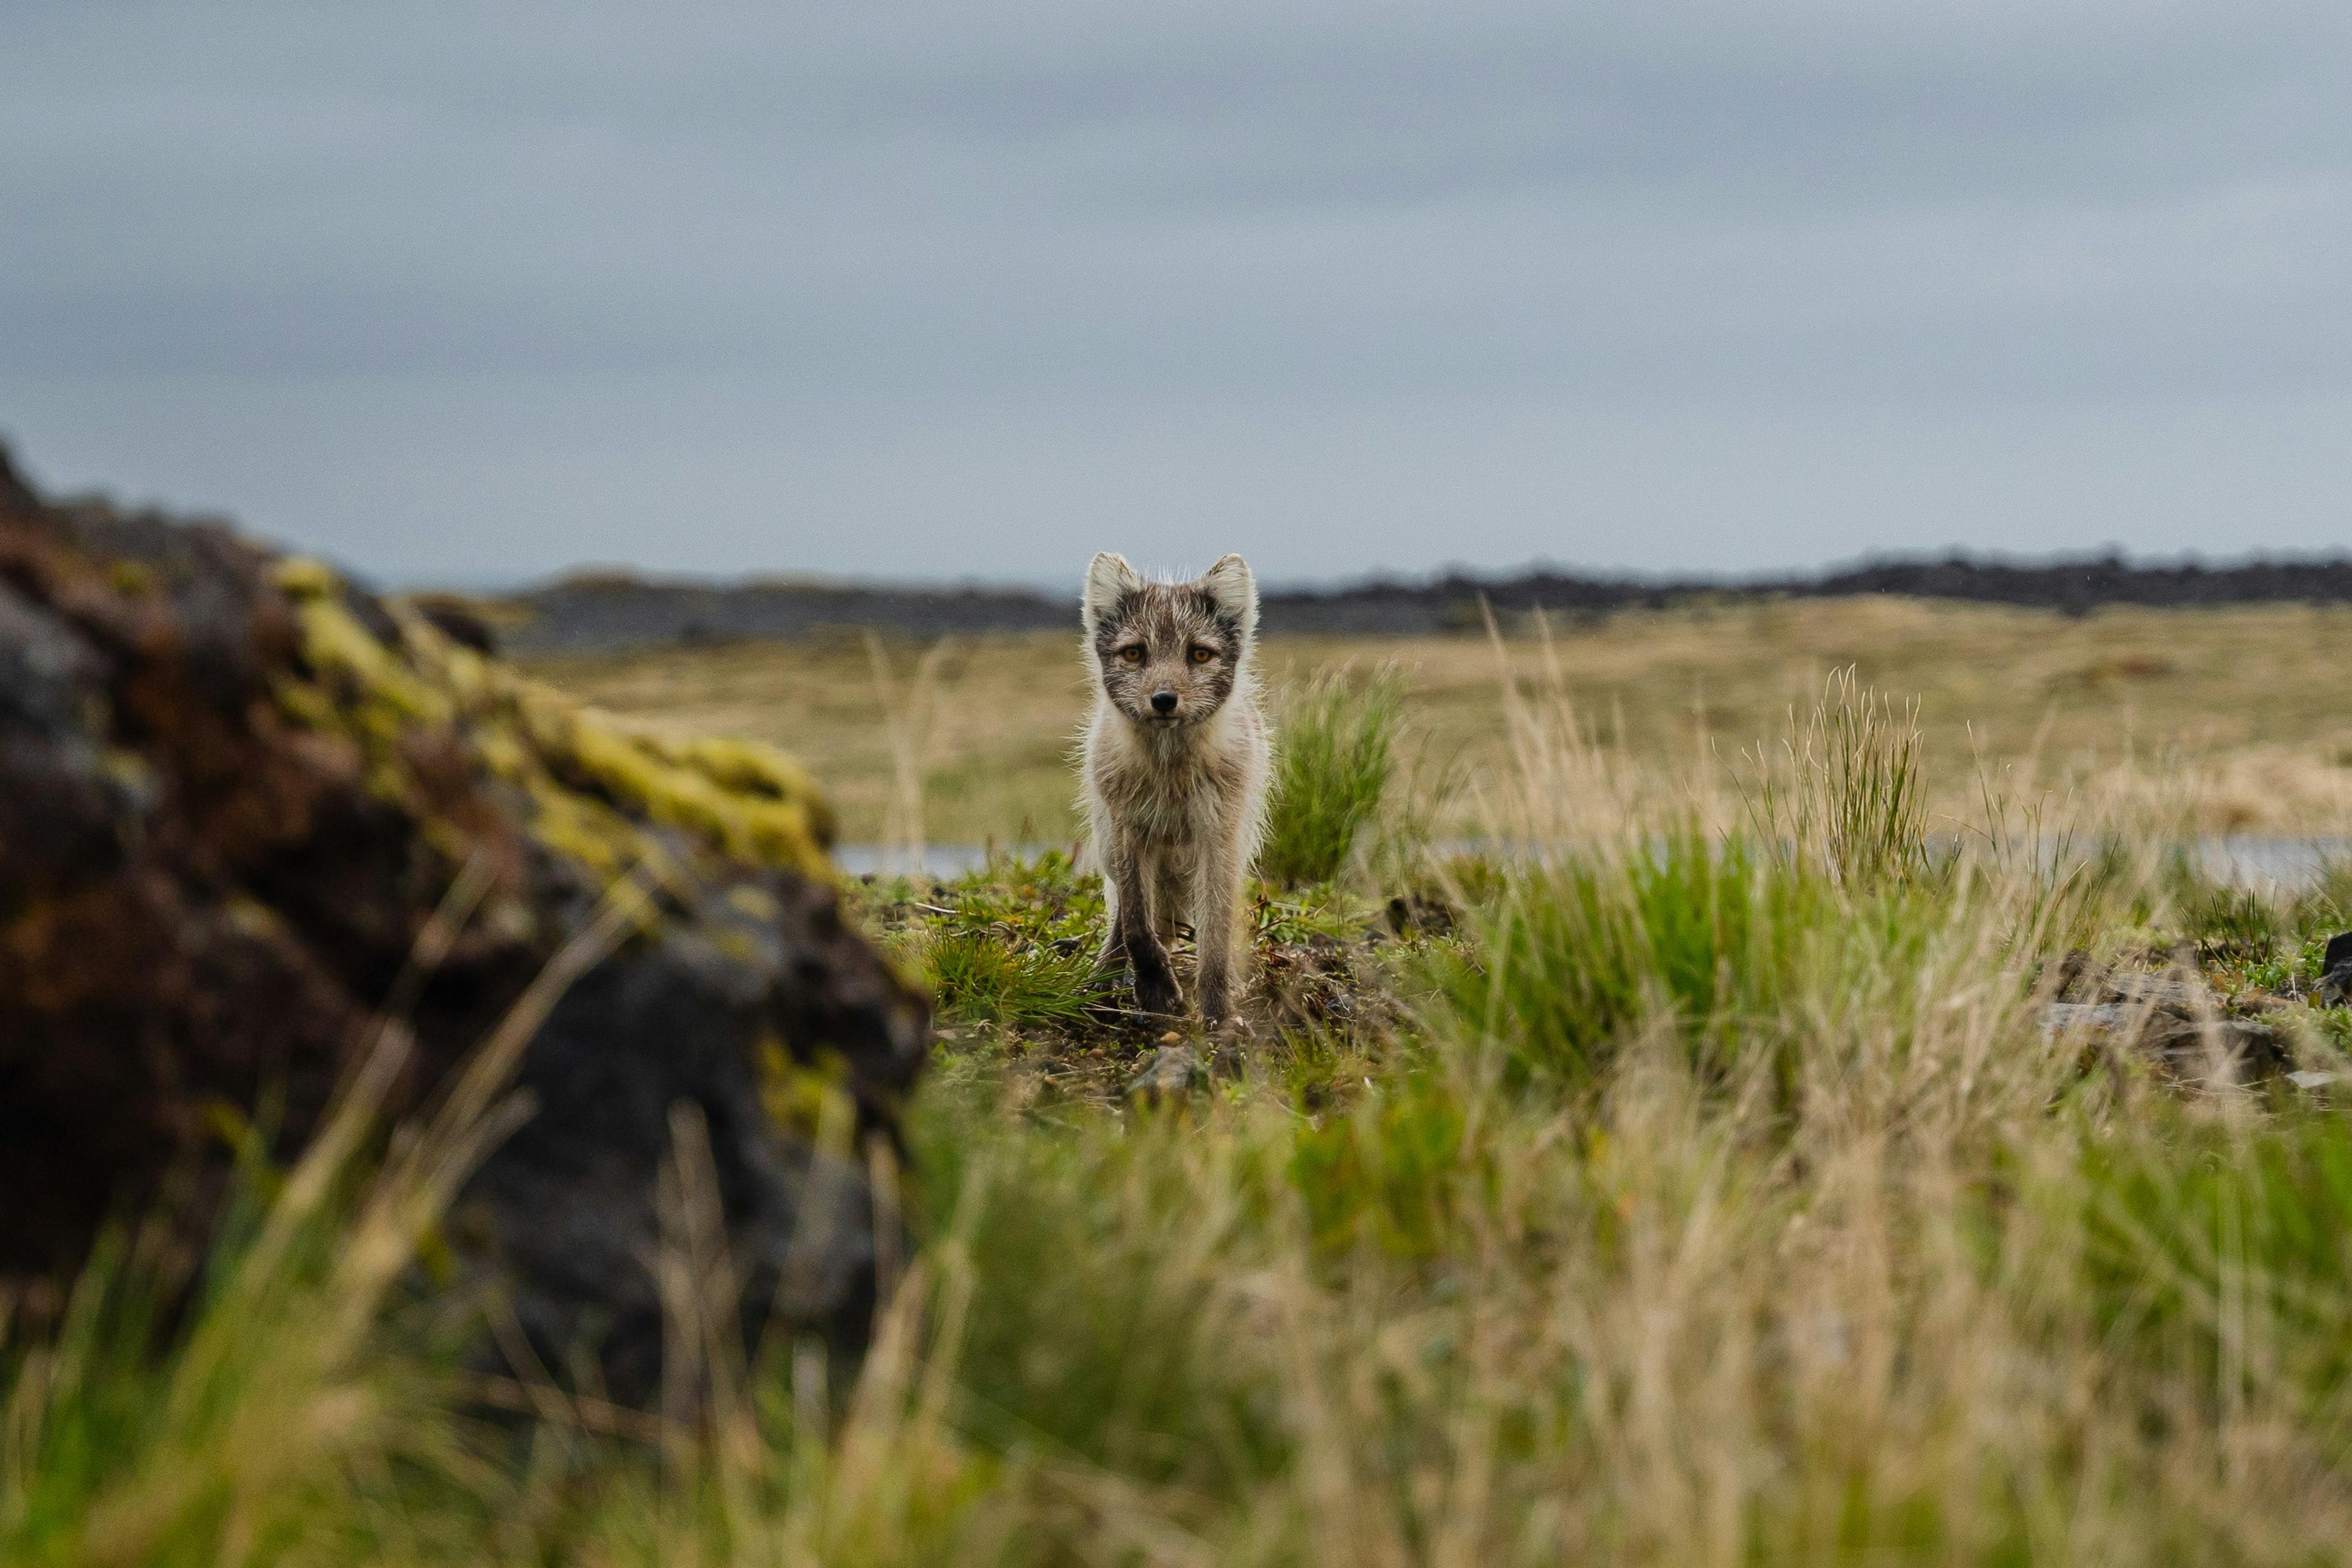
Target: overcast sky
(474, 292)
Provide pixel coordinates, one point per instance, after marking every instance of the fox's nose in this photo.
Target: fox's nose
(1163, 701)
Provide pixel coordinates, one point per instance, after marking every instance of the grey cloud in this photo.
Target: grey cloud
(1139, 240)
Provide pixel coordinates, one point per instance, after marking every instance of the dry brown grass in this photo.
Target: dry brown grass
(2230, 717)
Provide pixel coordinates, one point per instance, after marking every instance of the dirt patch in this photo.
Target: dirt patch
(1011, 949)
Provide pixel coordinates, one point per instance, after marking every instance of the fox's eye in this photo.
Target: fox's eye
(1130, 655)
(1203, 655)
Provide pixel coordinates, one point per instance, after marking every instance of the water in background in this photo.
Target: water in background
(942, 862)
(2292, 864)
(2243, 860)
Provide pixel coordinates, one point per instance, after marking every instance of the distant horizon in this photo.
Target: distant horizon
(1376, 578)
(2108, 553)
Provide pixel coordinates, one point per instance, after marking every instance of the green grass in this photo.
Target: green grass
(1582, 949)
(976, 975)
(1696, 1198)
(1334, 759)
(1014, 947)
(2236, 1235)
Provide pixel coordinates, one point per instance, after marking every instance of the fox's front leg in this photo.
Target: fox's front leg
(1218, 895)
(1131, 933)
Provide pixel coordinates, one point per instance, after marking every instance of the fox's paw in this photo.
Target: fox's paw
(1158, 995)
(1227, 1029)
(1155, 987)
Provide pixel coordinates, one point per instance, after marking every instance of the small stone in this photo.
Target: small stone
(2066, 1017)
(1173, 1074)
(2312, 1079)
(1171, 1037)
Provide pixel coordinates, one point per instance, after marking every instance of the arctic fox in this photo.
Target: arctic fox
(1176, 767)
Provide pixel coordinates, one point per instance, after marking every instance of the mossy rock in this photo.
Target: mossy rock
(237, 792)
(595, 788)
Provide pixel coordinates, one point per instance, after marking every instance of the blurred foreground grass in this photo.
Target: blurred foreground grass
(2227, 720)
(1692, 1196)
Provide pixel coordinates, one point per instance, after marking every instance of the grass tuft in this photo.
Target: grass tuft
(1334, 760)
(982, 975)
(1580, 951)
(1012, 944)
(1847, 792)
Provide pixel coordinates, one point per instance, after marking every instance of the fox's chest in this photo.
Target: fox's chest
(1169, 800)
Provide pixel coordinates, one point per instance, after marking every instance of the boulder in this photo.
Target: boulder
(256, 822)
(2177, 1021)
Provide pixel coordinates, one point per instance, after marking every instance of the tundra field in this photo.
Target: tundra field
(2234, 717)
(1853, 1140)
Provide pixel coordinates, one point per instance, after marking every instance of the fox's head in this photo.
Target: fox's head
(1169, 654)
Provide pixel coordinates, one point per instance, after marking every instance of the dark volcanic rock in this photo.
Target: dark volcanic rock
(592, 614)
(612, 611)
(2335, 970)
(233, 793)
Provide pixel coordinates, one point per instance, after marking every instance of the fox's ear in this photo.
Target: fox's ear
(1110, 579)
(1229, 582)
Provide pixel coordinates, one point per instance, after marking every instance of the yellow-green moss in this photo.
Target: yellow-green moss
(754, 903)
(381, 689)
(128, 768)
(736, 943)
(592, 785)
(299, 577)
(812, 1099)
(580, 829)
(640, 775)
